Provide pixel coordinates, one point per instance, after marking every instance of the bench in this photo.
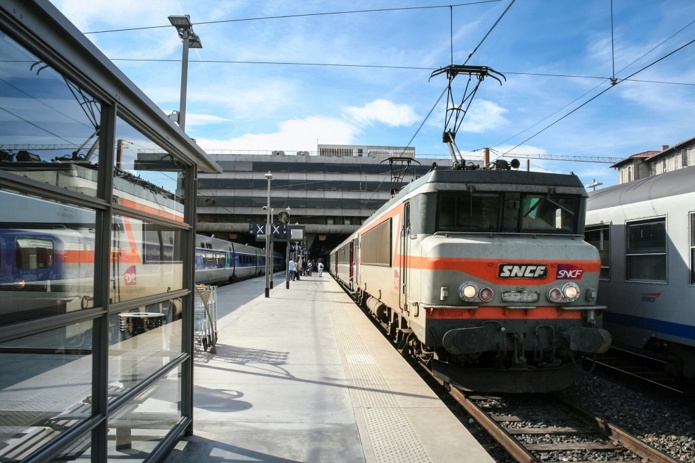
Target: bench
(22, 441)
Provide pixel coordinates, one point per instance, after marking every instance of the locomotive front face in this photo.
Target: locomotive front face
(505, 278)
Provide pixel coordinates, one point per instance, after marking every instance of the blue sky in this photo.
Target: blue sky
(280, 75)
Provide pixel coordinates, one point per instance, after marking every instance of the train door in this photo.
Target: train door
(404, 250)
(232, 262)
(352, 264)
(355, 262)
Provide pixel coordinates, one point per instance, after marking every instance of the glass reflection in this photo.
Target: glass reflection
(45, 388)
(138, 427)
(142, 341)
(146, 259)
(46, 257)
(49, 127)
(147, 178)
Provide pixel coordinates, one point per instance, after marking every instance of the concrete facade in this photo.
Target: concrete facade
(331, 195)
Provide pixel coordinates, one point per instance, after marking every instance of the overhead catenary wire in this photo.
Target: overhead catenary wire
(625, 79)
(379, 66)
(490, 31)
(448, 87)
(414, 67)
(299, 15)
(599, 94)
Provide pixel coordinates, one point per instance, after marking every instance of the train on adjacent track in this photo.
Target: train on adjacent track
(645, 233)
(220, 261)
(484, 275)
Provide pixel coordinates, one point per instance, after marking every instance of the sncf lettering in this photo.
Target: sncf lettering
(569, 272)
(523, 271)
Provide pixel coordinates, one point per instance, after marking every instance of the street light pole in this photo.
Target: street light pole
(287, 249)
(183, 25)
(272, 249)
(268, 257)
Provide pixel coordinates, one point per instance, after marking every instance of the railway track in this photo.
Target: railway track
(544, 428)
(633, 369)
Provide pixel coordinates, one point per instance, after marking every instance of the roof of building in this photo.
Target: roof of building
(676, 147)
(643, 155)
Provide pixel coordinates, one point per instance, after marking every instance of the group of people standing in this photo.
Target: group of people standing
(303, 268)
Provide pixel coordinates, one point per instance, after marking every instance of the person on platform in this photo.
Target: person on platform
(319, 266)
(293, 269)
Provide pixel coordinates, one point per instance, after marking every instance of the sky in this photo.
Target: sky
(287, 75)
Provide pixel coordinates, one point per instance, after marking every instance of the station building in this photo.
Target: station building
(648, 163)
(96, 253)
(330, 191)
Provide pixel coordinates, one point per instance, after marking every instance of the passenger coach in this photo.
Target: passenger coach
(645, 233)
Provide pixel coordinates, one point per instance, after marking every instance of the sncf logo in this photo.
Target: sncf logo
(129, 276)
(523, 271)
(569, 272)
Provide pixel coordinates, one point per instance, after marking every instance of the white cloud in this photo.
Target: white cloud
(128, 13)
(204, 119)
(382, 111)
(483, 115)
(293, 135)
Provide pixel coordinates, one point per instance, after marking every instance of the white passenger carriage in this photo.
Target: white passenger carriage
(645, 233)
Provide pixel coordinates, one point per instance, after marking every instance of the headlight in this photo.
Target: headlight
(19, 283)
(486, 294)
(468, 291)
(570, 291)
(555, 295)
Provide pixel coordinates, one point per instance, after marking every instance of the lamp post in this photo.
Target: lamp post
(268, 257)
(287, 249)
(183, 25)
(272, 248)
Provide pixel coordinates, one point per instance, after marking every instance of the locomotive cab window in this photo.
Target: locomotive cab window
(549, 213)
(466, 211)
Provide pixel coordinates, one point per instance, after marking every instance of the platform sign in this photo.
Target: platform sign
(296, 232)
(277, 230)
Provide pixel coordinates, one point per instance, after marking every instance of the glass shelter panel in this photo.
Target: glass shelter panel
(46, 257)
(146, 177)
(142, 341)
(45, 386)
(146, 259)
(49, 127)
(138, 427)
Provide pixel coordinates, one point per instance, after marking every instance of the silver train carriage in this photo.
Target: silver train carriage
(484, 275)
(645, 233)
(219, 261)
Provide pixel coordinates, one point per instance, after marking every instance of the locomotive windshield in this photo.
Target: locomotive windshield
(470, 211)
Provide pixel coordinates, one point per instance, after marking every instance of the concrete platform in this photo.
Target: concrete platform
(303, 376)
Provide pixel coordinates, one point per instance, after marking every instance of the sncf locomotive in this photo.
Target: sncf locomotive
(645, 232)
(484, 275)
